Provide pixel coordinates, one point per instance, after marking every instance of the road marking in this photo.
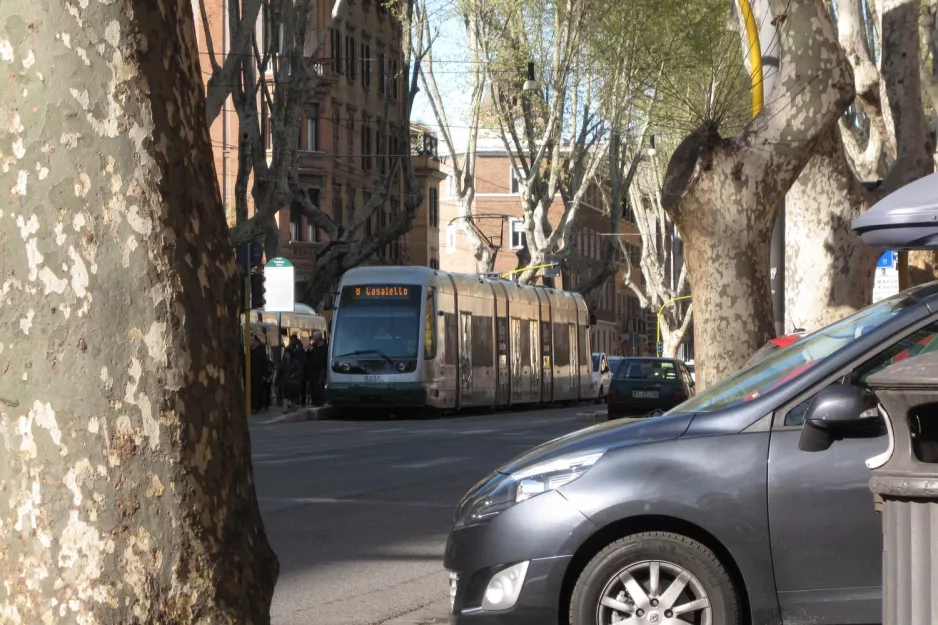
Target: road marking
(298, 459)
(368, 502)
(428, 463)
(475, 431)
(384, 431)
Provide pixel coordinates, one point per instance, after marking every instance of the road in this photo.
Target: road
(358, 512)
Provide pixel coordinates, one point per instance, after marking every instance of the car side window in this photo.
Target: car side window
(920, 342)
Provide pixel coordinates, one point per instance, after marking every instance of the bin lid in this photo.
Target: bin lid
(905, 219)
(918, 372)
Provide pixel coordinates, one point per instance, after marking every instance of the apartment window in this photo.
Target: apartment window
(350, 56)
(337, 65)
(366, 65)
(434, 263)
(433, 208)
(337, 205)
(517, 233)
(451, 237)
(369, 224)
(382, 73)
(366, 143)
(312, 129)
(350, 134)
(335, 129)
(515, 184)
(395, 79)
(312, 231)
(296, 219)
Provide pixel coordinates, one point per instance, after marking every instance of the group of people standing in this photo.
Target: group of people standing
(299, 379)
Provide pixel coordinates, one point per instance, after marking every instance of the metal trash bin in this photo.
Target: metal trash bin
(905, 488)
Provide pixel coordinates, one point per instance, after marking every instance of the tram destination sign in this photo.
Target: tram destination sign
(382, 291)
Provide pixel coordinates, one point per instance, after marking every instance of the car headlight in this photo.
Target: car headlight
(504, 491)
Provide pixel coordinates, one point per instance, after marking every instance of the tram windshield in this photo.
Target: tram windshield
(377, 320)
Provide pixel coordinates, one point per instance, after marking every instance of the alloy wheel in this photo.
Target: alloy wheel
(654, 592)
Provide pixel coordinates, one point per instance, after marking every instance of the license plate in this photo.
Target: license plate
(453, 582)
(645, 394)
(371, 378)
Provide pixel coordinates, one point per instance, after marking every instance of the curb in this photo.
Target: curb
(317, 413)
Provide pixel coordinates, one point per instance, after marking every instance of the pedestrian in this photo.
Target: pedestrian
(317, 360)
(298, 353)
(260, 376)
(290, 378)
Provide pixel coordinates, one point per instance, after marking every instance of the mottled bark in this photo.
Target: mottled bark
(127, 493)
(828, 269)
(723, 194)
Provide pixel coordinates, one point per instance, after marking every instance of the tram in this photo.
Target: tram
(416, 337)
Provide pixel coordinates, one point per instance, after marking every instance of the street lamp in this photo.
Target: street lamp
(530, 84)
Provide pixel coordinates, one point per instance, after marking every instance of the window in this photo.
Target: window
(395, 79)
(335, 129)
(914, 345)
(451, 238)
(337, 205)
(366, 144)
(366, 65)
(433, 208)
(350, 135)
(517, 233)
(336, 51)
(513, 177)
(482, 343)
(351, 203)
(312, 129)
(561, 345)
(429, 332)
(434, 263)
(266, 127)
(382, 73)
(350, 56)
(296, 218)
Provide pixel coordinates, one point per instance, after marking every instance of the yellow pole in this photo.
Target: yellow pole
(523, 269)
(755, 56)
(661, 310)
(247, 345)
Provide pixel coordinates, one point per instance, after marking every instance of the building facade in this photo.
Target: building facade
(340, 153)
(623, 327)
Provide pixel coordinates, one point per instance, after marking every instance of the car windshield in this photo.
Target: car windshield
(646, 369)
(382, 320)
(761, 377)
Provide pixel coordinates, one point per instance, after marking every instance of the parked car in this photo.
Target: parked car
(643, 385)
(712, 513)
(602, 376)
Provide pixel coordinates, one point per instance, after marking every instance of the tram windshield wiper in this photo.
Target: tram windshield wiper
(362, 352)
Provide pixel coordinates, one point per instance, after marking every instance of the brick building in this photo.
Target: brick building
(622, 328)
(338, 156)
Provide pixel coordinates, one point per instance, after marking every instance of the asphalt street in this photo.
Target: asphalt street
(358, 512)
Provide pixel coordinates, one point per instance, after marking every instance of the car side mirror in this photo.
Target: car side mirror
(836, 413)
(328, 302)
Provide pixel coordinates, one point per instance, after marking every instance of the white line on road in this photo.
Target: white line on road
(370, 502)
(298, 459)
(428, 463)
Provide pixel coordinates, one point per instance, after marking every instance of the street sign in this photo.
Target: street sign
(888, 260)
(279, 285)
(885, 284)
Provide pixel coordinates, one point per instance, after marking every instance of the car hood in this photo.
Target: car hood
(610, 435)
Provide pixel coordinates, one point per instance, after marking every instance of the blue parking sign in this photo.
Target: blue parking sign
(888, 260)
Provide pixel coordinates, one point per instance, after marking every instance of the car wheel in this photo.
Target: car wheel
(654, 578)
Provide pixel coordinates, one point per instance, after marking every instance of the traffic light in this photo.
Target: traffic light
(659, 348)
(257, 290)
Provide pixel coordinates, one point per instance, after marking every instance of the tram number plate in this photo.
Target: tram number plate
(371, 378)
(645, 394)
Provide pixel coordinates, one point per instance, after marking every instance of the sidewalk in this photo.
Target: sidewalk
(277, 414)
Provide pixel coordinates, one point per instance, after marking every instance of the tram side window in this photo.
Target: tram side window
(525, 342)
(561, 345)
(482, 343)
(429, 332)
(582, 349)
(450, 339)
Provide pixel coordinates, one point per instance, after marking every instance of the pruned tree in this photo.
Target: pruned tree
(127, 486)
(278, 78)
(829, 270)
(473, 15)
(723, 193)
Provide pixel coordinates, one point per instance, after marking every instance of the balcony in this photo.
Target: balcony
(424, 144)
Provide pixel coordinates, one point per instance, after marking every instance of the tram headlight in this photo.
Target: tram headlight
(346, 367)
(402, 366)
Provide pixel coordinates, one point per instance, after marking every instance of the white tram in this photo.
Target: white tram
(415, 337)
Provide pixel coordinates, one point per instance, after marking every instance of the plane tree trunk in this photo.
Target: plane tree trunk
(126, 493)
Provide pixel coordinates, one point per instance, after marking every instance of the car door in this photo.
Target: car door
(825, 535)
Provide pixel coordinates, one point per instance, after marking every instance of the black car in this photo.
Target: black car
(643, 385)
(710, 514)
